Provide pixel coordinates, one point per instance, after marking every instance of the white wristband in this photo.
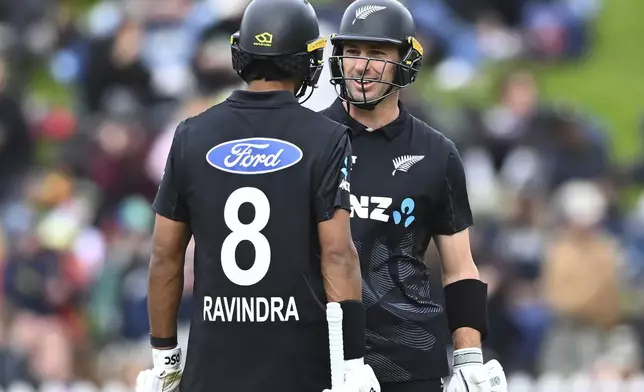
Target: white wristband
(468, 356)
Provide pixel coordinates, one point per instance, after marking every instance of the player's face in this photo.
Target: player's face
(373, 68)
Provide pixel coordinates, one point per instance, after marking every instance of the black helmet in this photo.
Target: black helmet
(384, 21)
(285, 32)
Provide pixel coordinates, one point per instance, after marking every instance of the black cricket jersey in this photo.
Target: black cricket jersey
(408, 184)
(253, 176)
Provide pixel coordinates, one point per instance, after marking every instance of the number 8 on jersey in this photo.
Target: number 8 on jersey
(246, 232)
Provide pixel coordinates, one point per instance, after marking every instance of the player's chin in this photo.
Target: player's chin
(363, 96)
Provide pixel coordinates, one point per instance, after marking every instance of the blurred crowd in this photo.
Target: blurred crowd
(91, 93)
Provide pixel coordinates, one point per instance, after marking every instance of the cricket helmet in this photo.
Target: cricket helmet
(377, 21)
(285, 32)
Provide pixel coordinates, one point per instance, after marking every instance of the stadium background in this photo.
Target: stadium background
(543, 97)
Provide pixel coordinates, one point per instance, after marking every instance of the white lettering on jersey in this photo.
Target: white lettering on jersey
(253, 310)
(345, 185)
(364, 207)
(378, 213)
(359, 208)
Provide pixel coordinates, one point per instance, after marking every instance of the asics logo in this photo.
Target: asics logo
(172, 359)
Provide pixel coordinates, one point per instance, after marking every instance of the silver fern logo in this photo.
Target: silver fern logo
(405, 162)
(366, 10)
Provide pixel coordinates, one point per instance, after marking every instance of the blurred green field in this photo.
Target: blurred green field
(609, 83)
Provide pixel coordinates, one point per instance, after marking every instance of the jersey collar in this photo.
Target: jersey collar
(390, 130)
(264, 98)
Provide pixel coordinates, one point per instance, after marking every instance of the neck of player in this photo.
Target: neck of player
(384, 113)
(259, 86)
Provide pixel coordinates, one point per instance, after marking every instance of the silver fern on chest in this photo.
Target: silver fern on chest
(405, 162)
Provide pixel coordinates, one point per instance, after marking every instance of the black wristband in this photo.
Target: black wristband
(353, 329)
(163, 342)
(466, 305)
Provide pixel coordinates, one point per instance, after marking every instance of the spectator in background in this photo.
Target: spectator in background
(581, 281)
(13, 365)
(38, 292)
(512, 120)
(520, 244)
(212, 59)
(116, 79)
(116, 160)
(172, 32)
(557, 30)
(43, 279)
(572, 149)
(15, 142)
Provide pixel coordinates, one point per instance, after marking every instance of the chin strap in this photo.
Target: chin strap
(303, 92)
(365, 106)
(369, 106)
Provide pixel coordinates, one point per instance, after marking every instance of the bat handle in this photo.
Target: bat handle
(336, 344)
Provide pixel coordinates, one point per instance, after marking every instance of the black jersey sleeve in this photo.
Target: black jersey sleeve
(453, 212)
(333, 191)
(169, 201)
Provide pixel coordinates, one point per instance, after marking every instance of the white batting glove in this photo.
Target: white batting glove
(471, 375)
(358, 377)
(495, 372)
(165, 375)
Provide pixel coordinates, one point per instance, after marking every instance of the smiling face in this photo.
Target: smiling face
(364, 72)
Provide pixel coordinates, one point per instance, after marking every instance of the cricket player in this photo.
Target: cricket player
(408, 187)
(262, 184)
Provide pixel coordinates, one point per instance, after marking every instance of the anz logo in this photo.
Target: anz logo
(375, 208)
(405, 216)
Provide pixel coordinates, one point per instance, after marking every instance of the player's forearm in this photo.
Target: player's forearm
(341, 274)
(466, 337)
(164, 295)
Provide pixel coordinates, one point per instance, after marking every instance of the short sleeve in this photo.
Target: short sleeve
(169, 201)
(334, 189)
(453, 213)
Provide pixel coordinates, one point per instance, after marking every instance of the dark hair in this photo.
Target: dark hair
(265, 69)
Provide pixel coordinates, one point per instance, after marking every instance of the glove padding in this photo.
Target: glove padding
(165, 375)
(358, 377)
(471, 375)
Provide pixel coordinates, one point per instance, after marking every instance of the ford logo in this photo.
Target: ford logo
(254, 155)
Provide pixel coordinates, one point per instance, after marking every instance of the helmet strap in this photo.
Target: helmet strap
(369, 106)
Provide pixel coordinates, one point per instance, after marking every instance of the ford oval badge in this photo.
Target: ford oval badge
(257, 155)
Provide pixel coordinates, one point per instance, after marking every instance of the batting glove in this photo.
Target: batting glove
(165, 375)
(471, 375)
(358, 377)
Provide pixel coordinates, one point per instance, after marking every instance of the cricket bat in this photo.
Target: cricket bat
(336, 345)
